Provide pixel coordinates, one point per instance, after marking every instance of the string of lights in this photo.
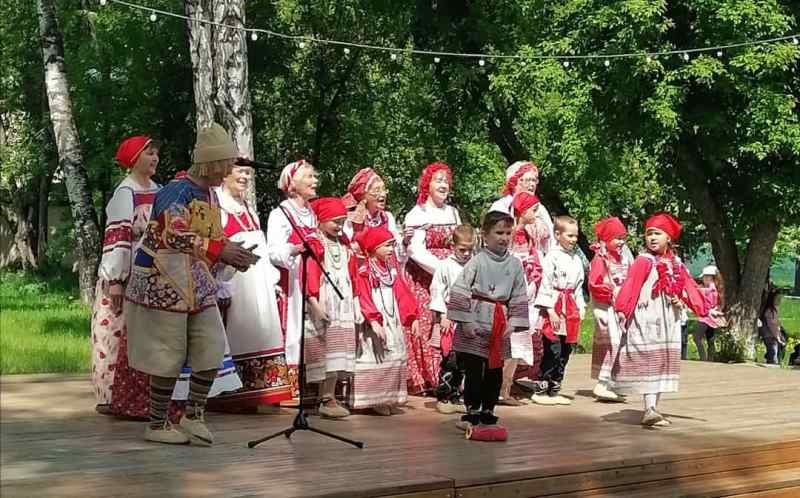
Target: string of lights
(395, 52)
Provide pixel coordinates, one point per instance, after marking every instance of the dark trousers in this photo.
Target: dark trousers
(773, 350)
(685, 341)
(451, 375)
(481, 385)
(703, 333)
(554, 362)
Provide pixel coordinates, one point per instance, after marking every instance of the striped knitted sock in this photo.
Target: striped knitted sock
(160, 394)
(199, 385)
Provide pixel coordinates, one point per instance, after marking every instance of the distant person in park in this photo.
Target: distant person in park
(528, 237)
(249, 307)
(705, 331)
(451, 372)
(523, 176)
(771, 328)
(488, 302)
(607, 273)
(649, 308)
(127, 215)
(561, 306)
(431, 223)
(330, 335)
(388, 308)
(173, 318)
(684, 321)
(298, 181)
(794, 358)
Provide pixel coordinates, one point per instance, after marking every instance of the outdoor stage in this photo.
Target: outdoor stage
(736, 431)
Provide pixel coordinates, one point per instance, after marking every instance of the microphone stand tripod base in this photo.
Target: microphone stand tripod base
(301, 424)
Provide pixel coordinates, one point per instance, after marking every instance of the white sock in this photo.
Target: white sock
(650, 401)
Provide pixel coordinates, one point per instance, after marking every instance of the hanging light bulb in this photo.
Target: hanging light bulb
(437, 60)
(153, 17)
(481, 62)
(346, 51)
(254, 36)
(566, 63)
(302, 44)
(719, 53)
(103, 3)
(795, 40)
(607, 63)
(685, 56)
(393, 56)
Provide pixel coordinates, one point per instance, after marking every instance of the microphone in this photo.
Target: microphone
(253, 164)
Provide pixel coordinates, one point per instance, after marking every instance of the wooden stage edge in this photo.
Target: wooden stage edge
(735, 432)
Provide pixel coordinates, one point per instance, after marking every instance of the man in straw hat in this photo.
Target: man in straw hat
(172, 291)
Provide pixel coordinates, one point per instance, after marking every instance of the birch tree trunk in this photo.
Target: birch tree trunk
(219, 63)
(70, 157)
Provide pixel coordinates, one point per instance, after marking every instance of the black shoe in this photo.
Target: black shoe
(488, 418)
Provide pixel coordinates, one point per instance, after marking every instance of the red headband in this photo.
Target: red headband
(523, 201)
(610, 228)
(372, 238)
(130, 150)
(666, 223)
(426, 178)
(328, 208)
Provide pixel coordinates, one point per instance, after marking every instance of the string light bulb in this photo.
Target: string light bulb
(719, 53)
(607, 63)
(481, 62)
(393, 57)
(153, 17)
(254, 36)
(346, 51)
(437, 60)
(795, 40)
(103, 3)
(566, 63)
(302, 44)
(685, 56)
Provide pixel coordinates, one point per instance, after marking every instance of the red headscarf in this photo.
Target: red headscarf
(372, 238)
(289, 172)
(359, 186)
(666, 223)
(515, 172)
(610, 228)
(426, 178)
(522, 202)
(328, 208)
(130, 150)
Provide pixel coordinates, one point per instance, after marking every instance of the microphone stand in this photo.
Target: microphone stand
(301, 421)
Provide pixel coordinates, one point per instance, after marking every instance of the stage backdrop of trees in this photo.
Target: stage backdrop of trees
(715, 139)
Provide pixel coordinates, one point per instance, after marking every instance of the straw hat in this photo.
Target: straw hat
(213, 144)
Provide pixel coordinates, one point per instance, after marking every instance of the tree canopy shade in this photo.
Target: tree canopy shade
(714, 139)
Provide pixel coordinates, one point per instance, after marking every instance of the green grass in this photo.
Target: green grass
(43, 326)
(45, 329)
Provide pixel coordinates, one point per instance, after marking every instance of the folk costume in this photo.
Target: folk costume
(279, 230)
(360, 219)
(648, 362)
(117, 387)
(252, 321)
(174, 319)
(504, 204)
(607, 272)
(490, 294)
(430, 244)
(330, 343)
(385, 298)
(561, 290)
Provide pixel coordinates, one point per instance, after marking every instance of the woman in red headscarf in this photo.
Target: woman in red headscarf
(366, 200)
(127, 214)
(649, 306)
(607, 272)
(432, 222)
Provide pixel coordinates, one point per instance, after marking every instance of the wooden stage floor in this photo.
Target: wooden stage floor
(735, 432)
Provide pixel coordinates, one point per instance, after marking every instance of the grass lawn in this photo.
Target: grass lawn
(45, 329)
(43, 326)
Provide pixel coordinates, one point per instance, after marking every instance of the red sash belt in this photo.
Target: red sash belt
(567, 309)
(499, 323)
